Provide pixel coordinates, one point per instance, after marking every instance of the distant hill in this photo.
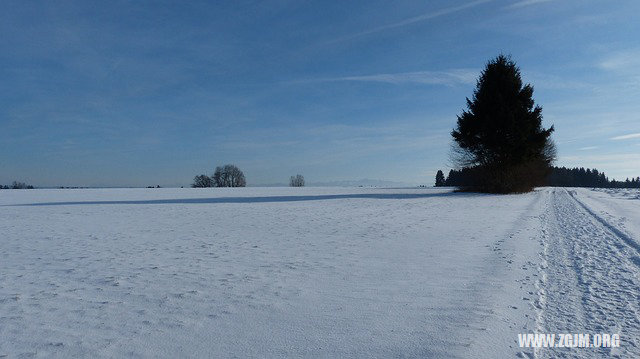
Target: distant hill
(365, 182)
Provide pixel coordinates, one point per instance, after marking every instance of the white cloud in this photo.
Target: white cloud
(626, 137)
(588, 148)
(449, 78)
(524, 3)
(622, 61)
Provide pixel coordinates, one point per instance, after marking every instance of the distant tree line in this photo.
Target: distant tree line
(557, 177)
(17, 185)
(580, 177)
(224, 176)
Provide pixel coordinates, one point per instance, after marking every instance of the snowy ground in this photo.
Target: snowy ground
(315, 272)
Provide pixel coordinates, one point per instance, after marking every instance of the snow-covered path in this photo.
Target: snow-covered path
(592, 277)
(314, 272)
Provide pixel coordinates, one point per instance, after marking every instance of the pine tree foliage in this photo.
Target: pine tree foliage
(500, 134)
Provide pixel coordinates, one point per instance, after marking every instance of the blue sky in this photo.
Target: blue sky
(139, 93)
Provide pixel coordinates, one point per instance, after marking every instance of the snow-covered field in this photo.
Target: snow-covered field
(315, 272)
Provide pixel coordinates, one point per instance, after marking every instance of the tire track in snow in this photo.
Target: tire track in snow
(628, 240)
(592, 283)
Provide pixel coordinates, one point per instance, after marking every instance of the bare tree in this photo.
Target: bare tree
(202, 181)
(440, 179)
(20, 185)
(217, 177)
(228, 176)
(296, 181)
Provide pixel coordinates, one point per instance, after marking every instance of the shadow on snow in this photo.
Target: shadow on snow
(264, 199)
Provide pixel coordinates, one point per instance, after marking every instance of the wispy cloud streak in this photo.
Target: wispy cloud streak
(622, 61)
(448, 78)
(524, 3)
(626, 137)
(412, 20)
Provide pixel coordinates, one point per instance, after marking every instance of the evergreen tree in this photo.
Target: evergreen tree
(440, 181)
(500, 135)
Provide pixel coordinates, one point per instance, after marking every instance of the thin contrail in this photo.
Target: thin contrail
(412, 20)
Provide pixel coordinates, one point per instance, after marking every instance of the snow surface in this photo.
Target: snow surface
(315, 272)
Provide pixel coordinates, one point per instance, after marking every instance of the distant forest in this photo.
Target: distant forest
(558, 177)
(17, 185)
